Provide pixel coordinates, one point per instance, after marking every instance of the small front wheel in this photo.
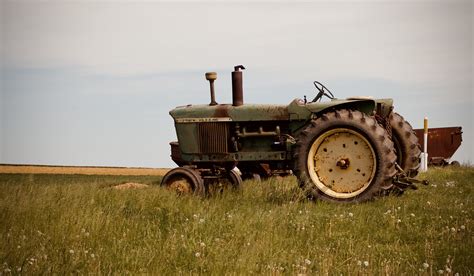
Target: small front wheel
(184, 180)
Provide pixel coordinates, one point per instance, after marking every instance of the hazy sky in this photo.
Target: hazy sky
(91, 83)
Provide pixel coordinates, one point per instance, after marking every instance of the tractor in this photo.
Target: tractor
(340, 150)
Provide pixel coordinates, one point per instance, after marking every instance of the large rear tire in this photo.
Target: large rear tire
(406, 144)
(344, 156)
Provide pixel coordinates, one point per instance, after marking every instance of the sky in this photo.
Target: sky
(92, 82)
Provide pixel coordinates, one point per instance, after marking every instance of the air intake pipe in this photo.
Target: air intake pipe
(237, 87)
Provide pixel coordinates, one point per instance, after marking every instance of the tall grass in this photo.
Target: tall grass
(78, 224)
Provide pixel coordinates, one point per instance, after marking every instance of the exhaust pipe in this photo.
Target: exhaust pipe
(237, 87)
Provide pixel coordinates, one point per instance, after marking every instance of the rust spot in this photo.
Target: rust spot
(221, 111)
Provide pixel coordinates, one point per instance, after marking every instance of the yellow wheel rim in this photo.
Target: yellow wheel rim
(180, 185)
(341, 163)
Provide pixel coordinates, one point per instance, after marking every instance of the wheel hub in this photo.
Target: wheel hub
(343, 163)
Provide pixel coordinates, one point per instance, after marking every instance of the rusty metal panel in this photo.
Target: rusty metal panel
(442, 142)
(213, 137)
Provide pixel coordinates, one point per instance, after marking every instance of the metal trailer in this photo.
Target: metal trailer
(442, 144)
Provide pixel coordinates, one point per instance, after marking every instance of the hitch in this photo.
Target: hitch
(402, 181)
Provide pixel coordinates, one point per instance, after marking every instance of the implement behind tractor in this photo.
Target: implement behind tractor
(342, 150)
(442, 144)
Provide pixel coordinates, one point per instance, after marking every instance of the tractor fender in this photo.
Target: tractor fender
(298, 110)
(366, 106)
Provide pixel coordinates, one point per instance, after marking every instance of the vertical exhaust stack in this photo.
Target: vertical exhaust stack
(237, 87)
(211, 77)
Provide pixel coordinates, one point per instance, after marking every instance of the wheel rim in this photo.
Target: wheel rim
(341, 163)
(180, 184)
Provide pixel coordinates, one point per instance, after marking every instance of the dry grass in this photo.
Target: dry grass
(33, 169)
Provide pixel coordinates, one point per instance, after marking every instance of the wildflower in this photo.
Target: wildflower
(306, 261)
(366, 263)
(7, 270)
(202, 244)
(429, 203)
(197, 254)
(71, 251)
(399, 208)
(301, 212)
(18, 269)
(399, 220)
(83, 230)
(440, 271)
(359, 263)
(87, 234)
(195, 216)
(413, 215)
(463, 227)
(448, 270)
(453, 229)
(351, 215)
(92, 255)
(201, 220)
(426, 265)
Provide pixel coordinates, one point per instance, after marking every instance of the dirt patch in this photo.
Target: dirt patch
(38, 169)
(130, 185)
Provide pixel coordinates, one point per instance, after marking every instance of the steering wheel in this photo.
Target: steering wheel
(323, 91)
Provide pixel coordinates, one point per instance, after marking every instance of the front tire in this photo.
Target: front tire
(344, 156)
(184, 180)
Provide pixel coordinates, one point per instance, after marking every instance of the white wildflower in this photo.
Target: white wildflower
(202, 244)
(448, 270)
(307, 262)
(92, 255)
(351, 215)
(71, 251)
(359, 263)
(197, 254)
(453, 229)
(399, 220)
(413, 215)
(366, 263)
(426, 265)
(440, 271)
(201, 220)
(463, 227)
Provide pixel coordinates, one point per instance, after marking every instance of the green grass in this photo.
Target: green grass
(77, 224)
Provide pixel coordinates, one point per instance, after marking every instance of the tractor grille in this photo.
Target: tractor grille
(213, 137)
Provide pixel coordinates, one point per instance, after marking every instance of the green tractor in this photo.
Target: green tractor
(340, 150)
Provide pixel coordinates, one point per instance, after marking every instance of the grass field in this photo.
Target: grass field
(65, 224)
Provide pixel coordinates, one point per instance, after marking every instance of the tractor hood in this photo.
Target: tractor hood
(296, 110)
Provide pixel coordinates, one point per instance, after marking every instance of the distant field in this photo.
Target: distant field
(77, 224)
(38, 169)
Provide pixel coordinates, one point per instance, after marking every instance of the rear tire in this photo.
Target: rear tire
(344, 156)
(406, 144)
